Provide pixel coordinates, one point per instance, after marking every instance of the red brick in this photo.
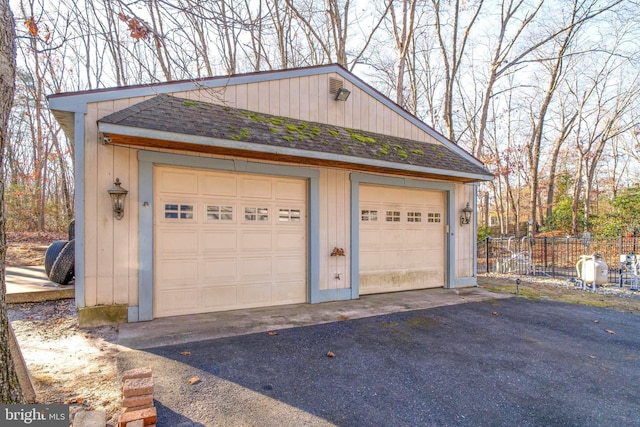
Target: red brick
(136, 423)
(148, 416)
(145, 399)
(137, 408)
(137, 387)
(136, 373)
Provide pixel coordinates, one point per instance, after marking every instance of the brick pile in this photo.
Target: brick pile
(137, 399)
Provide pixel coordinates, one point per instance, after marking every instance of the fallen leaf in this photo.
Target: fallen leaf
(495, 313)
(331, 354)
(596, 321)
(609, 331)
(272, 333)
(185, 353)
(194, 380)
(593, 357)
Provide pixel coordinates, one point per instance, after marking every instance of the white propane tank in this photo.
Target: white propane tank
(592, 269)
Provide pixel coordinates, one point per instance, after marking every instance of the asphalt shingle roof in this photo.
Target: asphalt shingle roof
(171, 114)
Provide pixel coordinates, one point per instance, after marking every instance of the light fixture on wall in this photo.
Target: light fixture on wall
(118, 194)
(466, 215)
(342, 94)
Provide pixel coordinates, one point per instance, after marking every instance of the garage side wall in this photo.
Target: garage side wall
(111, 246)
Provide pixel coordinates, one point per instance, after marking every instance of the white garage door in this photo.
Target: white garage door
(402, 239)
(227, 241)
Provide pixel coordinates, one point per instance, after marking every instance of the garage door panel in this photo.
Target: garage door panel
(254, 187)
(180, 181)
(415, 258)
(219, 241)
(255, 294)
(369, 261)
(178, 301)
(176, 272)
(178, 242)
(370, 194)
(238, 239)
(369, 238)
(288, 267)
(392, 239)
(252, 268)
(401, 280)
(290, 190)
(218, 297)
(219, 271)
(291, 292)
(220, 185)
(255, 240)
(289, 240)
(392, 260)
(416, 239)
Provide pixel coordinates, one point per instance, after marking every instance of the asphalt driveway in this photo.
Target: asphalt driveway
(509, 362)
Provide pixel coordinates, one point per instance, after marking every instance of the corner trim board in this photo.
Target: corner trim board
(78, 201)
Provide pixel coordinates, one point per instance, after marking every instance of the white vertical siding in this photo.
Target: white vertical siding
(334, 228)
(465, 238)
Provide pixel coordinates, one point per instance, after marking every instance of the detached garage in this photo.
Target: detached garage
(260, 190)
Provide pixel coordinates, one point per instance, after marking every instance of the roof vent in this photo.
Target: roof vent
(334, 85)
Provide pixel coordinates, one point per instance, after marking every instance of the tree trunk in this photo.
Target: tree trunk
(10, 391)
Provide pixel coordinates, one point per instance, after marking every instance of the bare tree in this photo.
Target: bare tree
(10, 391)
(452, 47)
(403, 35)
(601, 121)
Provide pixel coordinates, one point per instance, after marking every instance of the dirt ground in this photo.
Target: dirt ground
(67, 364)
(27, 249)
(78, 366)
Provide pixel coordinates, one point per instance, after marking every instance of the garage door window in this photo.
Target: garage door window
(369, 215)
(433, 217)
(178, 211)
(414, 216)
(219, 213)
(255, 214)
(392, 216)
(288, 215)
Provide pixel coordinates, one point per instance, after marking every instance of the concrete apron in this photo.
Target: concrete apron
(198, 327)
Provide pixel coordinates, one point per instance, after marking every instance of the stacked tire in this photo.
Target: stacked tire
(59, 260)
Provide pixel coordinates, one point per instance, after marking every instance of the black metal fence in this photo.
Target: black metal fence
(553, 256)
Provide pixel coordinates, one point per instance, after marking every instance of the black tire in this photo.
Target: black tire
(63, 269)
(72, 229)
(52, 253)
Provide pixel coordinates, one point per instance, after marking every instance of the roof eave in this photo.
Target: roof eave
(106, 129)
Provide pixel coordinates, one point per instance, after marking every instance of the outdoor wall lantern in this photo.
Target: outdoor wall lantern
(466, 215)
(118, 194)
(342, 94)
